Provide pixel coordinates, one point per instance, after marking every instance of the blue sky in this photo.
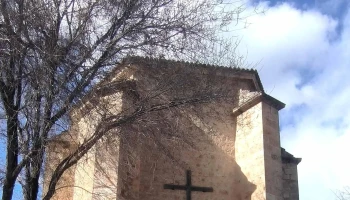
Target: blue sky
(302, 47)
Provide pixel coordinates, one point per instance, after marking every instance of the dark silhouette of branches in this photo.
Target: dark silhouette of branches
(343, 194)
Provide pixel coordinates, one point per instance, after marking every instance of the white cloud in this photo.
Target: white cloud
(308, 71)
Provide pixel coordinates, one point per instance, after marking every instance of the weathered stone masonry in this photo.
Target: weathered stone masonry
(232, 146)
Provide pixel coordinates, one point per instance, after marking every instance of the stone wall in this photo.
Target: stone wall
(250, 150)
(258, 143)
(272, 152)
(58, 148)
(231, 145)
(93, 174)
(200, 138)
(290, 176)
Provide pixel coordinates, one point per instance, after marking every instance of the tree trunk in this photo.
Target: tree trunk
(12, 154)
(33, 179)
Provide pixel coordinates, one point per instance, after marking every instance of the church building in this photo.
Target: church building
(187, 131)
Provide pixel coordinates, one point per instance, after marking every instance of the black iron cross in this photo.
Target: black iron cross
(188, 187)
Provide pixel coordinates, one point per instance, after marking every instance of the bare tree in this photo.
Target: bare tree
(54, 51)
(343, 194)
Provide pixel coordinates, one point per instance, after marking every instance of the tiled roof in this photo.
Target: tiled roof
(223, 69)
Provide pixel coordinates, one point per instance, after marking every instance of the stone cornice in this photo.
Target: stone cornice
(289, 158)
(261, 97)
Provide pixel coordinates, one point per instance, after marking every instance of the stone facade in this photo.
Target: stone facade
(231, 144)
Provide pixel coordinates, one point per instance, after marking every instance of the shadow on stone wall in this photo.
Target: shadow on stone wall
(157, 149)
(160, 148)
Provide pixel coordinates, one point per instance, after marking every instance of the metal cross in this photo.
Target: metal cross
(188, 187)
